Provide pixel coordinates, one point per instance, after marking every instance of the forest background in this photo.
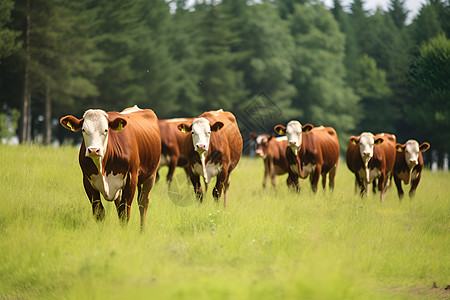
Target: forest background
(267, 61)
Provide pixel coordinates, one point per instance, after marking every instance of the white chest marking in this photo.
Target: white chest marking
(309, 169)
(406, 177)
(109, 186)
(211, 170)
(373, 174)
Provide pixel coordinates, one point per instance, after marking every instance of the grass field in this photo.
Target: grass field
(264, 245)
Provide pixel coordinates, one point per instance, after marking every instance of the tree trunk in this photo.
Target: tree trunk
(26, 105)
(48, 116)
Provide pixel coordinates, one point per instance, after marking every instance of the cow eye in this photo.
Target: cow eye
(83, 130)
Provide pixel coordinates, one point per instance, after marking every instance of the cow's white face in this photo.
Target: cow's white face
(294, 135)
(261, 145)
(366, 143)
(412, 153)
(201, 132)
(95, 132)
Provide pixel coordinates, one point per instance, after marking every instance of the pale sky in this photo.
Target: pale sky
(371, 5)
(412, 5)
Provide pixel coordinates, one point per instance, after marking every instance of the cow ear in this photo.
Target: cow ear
(424, 147)
(378, 141)
(399, 147)
(307, 128)
(217, 126)
(184, 128)
(117, 124)
(354, 139)
(253, 135)
(71, 123)
(280, 129)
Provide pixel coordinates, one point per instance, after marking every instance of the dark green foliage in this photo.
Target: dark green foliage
(8, 37)
(429, 105)
(345, 67)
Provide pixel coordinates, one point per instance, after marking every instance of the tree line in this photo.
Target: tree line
(347, 67)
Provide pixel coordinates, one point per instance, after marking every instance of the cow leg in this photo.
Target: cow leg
(144, 198)
(414, 185)
(273, 178)
(172, 166)
(331, 177)
(324, 180)
(398, 184)
(374, 186)
(272, 173)
(225, 192)
(266, 172)
(381, 187)
(195, 179)
(292, 182)
(126, 199)
(94, 197)
(221, 178)
(314, 178)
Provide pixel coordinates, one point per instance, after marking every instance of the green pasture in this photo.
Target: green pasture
(267, 244)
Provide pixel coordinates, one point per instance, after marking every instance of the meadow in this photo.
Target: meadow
(266, 244)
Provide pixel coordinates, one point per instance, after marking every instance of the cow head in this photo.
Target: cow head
(201, 131)
(95, 125)
(412, 150)
(262, 142)
(293, 131)
(366, 142)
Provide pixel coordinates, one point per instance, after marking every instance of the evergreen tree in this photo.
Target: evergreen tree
(8, 37)
(430, 22)
(319, 71)
(428, 108)
(268, 67)
(375, 97)
(398, 13)
(221, 85)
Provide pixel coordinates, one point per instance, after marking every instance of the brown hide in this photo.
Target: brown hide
(320, 147)
(414, 173)
(225, 148)
(172, 141)
(383, 159)
(134, 152)
(275, 162)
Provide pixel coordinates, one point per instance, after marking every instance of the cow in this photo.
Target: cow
(273, 152)
(213, 149)
(119, 152)
(371, 157)
(311, 151)
(172, 141)
(409, 165)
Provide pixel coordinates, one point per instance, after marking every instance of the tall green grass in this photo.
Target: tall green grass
(266, 244)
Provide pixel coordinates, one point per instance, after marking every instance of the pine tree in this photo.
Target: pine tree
(319, 71)
(220, 83)
(8, 37)
(428, 108)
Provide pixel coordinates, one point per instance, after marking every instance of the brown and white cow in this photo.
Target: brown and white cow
(273, 152)
(372, 158)
(312, 151)
(409, 165)
(119, 152)
(172, 141)
(213, 149)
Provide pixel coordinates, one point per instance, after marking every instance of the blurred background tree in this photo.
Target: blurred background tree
(346, 67)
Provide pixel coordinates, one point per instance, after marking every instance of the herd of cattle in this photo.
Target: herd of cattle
(122, 151)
